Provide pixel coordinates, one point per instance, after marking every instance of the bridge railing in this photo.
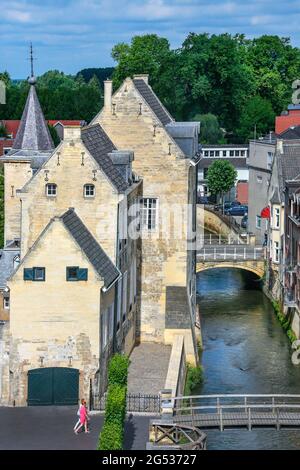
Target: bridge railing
(218, 239)
(227, 253)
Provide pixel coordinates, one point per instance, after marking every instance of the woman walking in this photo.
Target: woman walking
(83, 418)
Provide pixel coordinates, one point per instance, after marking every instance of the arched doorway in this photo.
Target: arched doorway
(53, 386)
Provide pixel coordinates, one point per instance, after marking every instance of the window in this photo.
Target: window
(34, 274)
(104, 329)
(224, 153)
(124, 303)
(206, 153)
(217, 153)
(258, 221)
(119, 304)
(51, 190)
(149, 213)
(211, 153)
(6, 303)
(277, 217)
(259, 179)
(237, 153)
(16, 261)
(276, 252)
(242, 153)
(6, 150)
(231, 153)
(74, 273)
(111, 321)
(89, 190)
(270, 160)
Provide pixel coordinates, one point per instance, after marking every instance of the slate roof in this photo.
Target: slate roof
(225, 146)
(151, 99)
(275, 199)
(288, 163)
(91, 248)
(291, 133)
(99, 146)
(33, 133)
(7, 264)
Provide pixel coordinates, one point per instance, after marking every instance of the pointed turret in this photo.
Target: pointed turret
(33, 132)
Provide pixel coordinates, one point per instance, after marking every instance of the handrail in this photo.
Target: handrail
(247, 406)
(238, 395)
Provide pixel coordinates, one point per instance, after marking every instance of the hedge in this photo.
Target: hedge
(112, 434)
(194, 378)
(118, 370)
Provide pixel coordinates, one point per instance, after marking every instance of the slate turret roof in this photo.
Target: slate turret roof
(91, 248)
(99, 146)
(33, 133)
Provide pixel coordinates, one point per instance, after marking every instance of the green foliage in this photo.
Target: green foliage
(257, 118)
(54, 135)
(111, 437)
(284, 321)
(3, 132)
(194, 378)
(210, 131)
(101, 74)
(221, 176)
(118, 370)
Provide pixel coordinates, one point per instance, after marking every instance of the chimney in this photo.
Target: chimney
(279, 146)
(142, 76)
(72, 132)
(122, 159)
(107, 93)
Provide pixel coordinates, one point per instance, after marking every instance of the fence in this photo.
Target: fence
(136, 402)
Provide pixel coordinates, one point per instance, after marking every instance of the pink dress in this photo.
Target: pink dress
(83, 414)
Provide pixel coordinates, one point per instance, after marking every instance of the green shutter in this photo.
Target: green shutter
(82, 274)
(28, 274)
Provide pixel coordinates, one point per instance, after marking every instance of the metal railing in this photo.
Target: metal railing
(231, 253)
(135, 402)
(248, 410)
(218, 239)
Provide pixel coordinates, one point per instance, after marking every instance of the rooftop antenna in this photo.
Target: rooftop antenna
(32, 79)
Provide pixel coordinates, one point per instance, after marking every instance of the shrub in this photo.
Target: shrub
(194, 377)
(111, 437)
(115, 409)
(118, 370)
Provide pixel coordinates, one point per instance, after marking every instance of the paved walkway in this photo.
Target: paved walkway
(51, 428)
(148, 368)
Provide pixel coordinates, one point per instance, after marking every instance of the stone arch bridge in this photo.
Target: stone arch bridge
(240, 256)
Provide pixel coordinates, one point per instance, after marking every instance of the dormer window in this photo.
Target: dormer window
(16, 261)
(89, 190)
(51, 189)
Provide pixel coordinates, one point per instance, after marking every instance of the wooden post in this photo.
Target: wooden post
(221, 419)
(249, 419)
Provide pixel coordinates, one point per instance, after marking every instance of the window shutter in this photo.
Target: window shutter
(82, 274)
(28, 274)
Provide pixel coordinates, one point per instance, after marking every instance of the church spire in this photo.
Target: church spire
(33, 133)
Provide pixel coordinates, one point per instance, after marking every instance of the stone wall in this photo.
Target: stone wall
(4, 363)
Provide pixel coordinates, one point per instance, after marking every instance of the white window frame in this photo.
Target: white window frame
(111, 310)
(16, 261)
(258, 221)
(86, 187)
(146, 211)
(104, 329)
(6, 303)
(119, 302)
(48, 185)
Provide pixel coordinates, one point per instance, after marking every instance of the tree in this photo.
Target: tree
(257, 118)
(210, 131)
(54, 135)
(221, 177)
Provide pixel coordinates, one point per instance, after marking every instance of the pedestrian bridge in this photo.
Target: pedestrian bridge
(233, 411)
(240, 256)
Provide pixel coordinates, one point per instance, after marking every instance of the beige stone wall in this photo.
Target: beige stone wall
(164, 260)
(15, 176)
(4, 363)
(54, 319)
(99, 214)
(4, 313)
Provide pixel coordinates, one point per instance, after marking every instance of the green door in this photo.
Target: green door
(53, 386)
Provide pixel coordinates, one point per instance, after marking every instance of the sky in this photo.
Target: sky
(69, 35)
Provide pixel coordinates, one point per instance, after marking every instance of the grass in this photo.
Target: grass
(284, 321)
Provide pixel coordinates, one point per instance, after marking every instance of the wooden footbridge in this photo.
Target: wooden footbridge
(235, 411)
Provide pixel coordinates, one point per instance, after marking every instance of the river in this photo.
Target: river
(245, 350)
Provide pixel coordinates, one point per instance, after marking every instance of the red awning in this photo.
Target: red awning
(265, 213)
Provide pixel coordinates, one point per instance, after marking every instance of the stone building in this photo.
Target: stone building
(89, 266)
(165, 156)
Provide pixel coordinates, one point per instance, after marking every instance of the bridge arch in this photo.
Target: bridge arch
(253, 267)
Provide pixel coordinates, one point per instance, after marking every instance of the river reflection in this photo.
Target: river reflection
(245, 351)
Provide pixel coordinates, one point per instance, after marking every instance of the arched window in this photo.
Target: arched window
(51, 189)
(16, 261)
(89, 190)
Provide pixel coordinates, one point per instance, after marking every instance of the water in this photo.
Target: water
(245, 351)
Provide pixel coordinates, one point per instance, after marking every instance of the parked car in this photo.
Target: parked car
(227, 205)
(237, 210)
(244, 221)
(203, 200)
